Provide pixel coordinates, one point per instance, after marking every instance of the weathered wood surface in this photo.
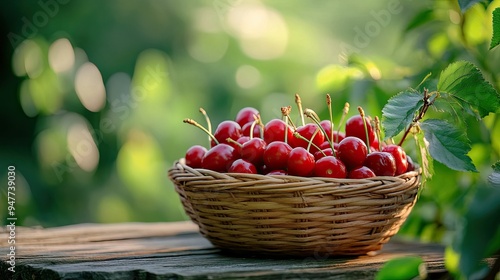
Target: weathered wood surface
(177, 251)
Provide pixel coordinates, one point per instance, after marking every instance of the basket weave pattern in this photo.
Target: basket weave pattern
(290, 215)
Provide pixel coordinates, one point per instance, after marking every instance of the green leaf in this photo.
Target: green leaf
(494, 178)
(481, 234)
(399, 111)
(424, 157)
(448, 145)
(464, 82)
(495, 38)
(403, 268)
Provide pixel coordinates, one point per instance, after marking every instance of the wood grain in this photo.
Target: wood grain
(177, 251)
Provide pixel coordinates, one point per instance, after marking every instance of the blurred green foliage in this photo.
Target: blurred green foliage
(94, 92)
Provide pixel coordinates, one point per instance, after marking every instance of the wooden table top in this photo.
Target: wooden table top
(176, 251)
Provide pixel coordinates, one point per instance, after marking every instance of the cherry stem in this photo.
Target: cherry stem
(314, 117)
(377, 129)
(285, 111)
(193, 122)
(362, 114)
(256, 120)
(298, 101)
(345, 111)
(427, 103)
(261, 125)
(207, 119)
(230, 140)
(330, 112)
(310, 143)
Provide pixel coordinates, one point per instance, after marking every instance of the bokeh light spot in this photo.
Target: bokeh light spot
(82, 147)
(208, 47)
(28, 59)
(262, 32)
(247, 76)
(26, 100)
(61, 55)
(90, 87)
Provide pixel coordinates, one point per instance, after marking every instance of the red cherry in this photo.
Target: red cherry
(300, 162)
(352, 152)
(330, 167)
(374, 145)
(194, 155)
(253, 151)
(411, 165)
(355, 127)
(360, 173)
(276, 155)
(326, 145)
(323, 153)
(381, 163)
(262, 169)
(327, 126)
(399, 155)
(277, 172)
(337, 135)
(307, 131)
(227, 129)
(275, 129)
(245, 130)
(242, 166)
(219, 158)
(246, 115)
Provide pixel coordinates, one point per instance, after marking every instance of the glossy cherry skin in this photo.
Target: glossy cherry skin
(219, 158)
(242, 166)
(337, 136)
(246, 115)
(227, 129)
(355, 127)
(381, 163)
(326, 145)
(411, 165)
(275, 130)
(360, 173)
(399, 155)
(323, 153)
(277, 172)
(253, 151)
(245, 130)
(352, 152)
(300, 162)
(194, 155)
(239, 143)
(276, 155)
(330, 167)
(307, 131)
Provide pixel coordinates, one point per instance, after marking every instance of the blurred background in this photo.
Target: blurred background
(94, 92)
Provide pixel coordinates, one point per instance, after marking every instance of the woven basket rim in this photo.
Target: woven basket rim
(180, 165)
(208, 180)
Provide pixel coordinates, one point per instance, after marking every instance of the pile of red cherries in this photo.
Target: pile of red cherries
(313, 149)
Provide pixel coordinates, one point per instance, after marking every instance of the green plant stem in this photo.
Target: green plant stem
(423, 110)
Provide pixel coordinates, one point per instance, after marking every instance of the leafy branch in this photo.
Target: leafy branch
(462, 86)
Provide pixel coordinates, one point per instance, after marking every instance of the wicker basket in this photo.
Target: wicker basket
(295, 216)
